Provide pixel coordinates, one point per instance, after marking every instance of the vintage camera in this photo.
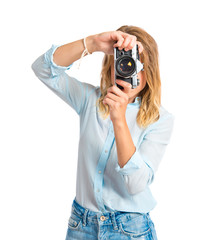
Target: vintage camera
(127, 66)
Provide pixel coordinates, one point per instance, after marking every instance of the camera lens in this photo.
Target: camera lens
(125, 66)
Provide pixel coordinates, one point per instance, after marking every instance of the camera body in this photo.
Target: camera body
(127, 66)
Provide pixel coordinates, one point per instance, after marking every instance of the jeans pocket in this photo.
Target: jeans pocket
(136, 227)
(74, 221)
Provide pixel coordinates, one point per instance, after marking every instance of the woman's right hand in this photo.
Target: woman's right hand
(107, 41)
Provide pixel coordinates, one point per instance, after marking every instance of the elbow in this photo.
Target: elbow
(34, 67)
(41, 69)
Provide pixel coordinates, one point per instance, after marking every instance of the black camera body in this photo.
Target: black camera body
(127, 66)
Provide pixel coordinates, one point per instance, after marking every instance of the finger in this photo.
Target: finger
(109, 102)
(119, 37)
(127, 86)
(125, 43)
(112, 96)
(119, 43)
(131, 44)
(115, 90)
(140, 46)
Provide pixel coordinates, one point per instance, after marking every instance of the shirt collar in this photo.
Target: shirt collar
(135, 103)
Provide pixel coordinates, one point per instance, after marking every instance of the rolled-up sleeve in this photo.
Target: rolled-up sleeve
(139, 171)
(68, 88)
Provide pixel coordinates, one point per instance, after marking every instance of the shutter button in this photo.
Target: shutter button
(102, 218)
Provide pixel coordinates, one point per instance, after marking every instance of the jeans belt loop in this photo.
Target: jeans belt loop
(85, 217)
(114, 221)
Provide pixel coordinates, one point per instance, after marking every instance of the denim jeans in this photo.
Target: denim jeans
(85, 224)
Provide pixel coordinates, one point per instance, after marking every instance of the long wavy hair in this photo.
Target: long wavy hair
(151, 94)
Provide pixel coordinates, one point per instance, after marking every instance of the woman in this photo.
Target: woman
(123, 135)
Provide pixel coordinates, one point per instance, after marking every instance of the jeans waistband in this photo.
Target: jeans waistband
(114, 217)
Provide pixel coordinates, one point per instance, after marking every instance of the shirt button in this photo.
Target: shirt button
(99, 171)
(98, 190)
(106, 151)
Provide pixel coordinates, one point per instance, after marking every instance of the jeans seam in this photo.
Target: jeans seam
(134, 234)
(150, 227)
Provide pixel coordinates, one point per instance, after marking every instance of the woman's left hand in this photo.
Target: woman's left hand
(117, 100)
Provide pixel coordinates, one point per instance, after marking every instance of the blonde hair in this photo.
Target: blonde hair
(151, 94)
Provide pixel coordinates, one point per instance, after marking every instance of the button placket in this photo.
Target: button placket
(98, 182)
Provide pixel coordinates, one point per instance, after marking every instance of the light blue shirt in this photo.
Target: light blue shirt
(102, 185)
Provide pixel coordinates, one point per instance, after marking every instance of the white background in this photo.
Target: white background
(39, 132)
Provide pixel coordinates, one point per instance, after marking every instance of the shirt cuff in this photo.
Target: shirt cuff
(136, 162)
(55, 69)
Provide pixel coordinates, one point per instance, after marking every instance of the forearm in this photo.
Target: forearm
(124, 143)
(70, 52)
